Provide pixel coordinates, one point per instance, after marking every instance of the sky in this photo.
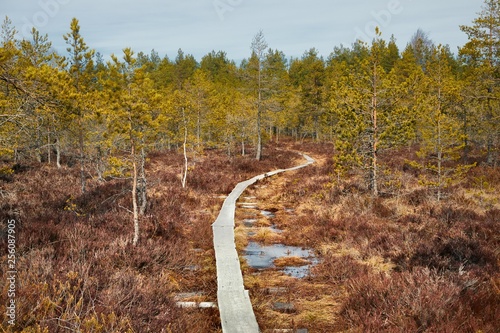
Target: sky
(201, 26)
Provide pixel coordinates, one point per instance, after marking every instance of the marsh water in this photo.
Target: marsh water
(260, 257)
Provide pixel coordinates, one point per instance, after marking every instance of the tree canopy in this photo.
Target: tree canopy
(105, 116)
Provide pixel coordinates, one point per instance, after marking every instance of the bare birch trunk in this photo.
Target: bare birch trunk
(184, 175)
(374, 139)
(143, 185)
(49, 147)
(439, 150)
(258, 155)
(82, 162)
(135, 212)
(58, 153)
(259, 46)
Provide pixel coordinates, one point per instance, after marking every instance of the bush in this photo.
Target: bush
(418, 301)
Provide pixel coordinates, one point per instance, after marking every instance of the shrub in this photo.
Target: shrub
(417, 301)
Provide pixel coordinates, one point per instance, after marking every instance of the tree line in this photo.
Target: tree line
(105, 116)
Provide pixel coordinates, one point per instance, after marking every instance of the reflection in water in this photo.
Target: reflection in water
(268, 214)
(249, 223)
(262, 256)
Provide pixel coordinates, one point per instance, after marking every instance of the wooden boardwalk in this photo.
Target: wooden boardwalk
(233, 300)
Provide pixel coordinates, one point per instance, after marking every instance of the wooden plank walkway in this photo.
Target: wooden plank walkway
(233, 300)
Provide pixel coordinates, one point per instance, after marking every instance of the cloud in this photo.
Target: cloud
(197, 27)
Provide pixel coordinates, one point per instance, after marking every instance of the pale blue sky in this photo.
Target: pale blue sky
(200, 26)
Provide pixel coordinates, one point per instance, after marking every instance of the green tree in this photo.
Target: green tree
(482, 57)
(219, 69)
(132, 124)
(217, 81)
(184, 68)
(24, 97)
(36, 59)
(11, 92)
(405, 81)
(391, 56)
(278, 89)
(150, 62)
(308, 75)
(366, 101)
(441, 137)
(363, 105)
(164, 74)
(80, 67)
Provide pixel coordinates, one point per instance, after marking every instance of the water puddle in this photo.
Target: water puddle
(268, 214)
(263, 256)
(275, 229)
(248, 205)
(260, 257)
(249, 223)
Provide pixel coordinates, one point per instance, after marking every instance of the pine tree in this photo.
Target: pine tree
(80, 66)
(185, 66)
(482, 56)
(36, 59)
(131, 124)
(441, 137)
(23, 93)
(308, 75)
(392, 55)
(370, 111)
(405, 87)
(11, 91)
(219, 69)
(200, 88)
(359, 113)
(277, 92)
(219, 80)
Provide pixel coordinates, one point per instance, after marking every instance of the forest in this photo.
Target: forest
(111, 173)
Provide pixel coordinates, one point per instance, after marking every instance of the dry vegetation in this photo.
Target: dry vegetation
(77, 268)
(399, 263)
(402, 262)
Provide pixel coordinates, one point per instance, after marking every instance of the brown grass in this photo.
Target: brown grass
(291, 262)
(77, 269)
(267, 236)
(400, 262)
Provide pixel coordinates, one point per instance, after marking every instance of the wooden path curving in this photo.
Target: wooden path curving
(233, 300)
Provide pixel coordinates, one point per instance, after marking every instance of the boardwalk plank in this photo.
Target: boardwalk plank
(233, 300)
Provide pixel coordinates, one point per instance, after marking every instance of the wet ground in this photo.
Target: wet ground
(261, 257)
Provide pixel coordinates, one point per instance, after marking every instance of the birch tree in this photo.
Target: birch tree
(258, 47)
